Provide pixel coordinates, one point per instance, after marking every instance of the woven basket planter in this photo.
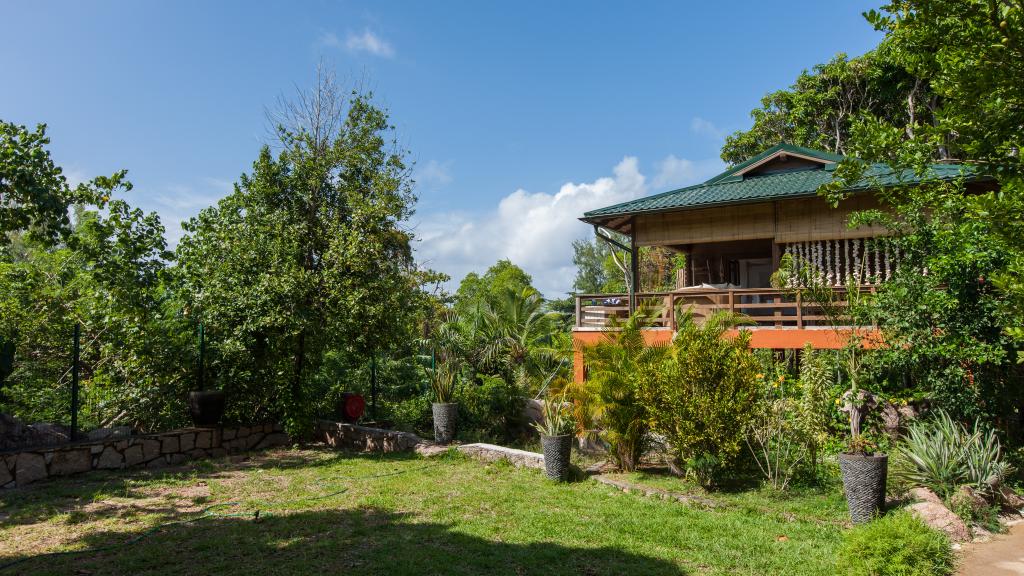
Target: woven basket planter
(864, 484)
(557, 450)
(445, 417)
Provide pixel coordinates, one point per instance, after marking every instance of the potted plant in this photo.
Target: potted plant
(556, 438)
(205, 406)
(445, 410)
(864, 471)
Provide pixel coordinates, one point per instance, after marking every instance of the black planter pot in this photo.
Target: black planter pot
(557, 450)
(445, 417)
(864, 480)
(206, 406)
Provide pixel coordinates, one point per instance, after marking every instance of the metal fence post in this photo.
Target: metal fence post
(202, 355)
(373, 386)
(74, 382)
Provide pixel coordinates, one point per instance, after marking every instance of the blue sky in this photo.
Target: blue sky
(519, 115)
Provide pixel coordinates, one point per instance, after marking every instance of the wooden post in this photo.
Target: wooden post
(634, 267)
(777, 300)
(671, 298)
(732, 302)
(799, 311)
(579, 312)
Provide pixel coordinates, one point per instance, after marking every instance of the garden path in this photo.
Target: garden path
(1001, 556)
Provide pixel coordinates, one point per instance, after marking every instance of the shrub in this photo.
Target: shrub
(942, 455)
(701, 398)
(608, 399)
(557, 418)
(490, 409)
(774, 437)
(894, 545)
(412, 414)
(814, 410)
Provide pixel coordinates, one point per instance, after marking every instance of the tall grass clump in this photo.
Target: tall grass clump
(894, 545)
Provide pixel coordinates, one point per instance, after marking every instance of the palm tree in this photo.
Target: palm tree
(518, 336)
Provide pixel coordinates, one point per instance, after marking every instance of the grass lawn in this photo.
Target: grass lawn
(328, 512)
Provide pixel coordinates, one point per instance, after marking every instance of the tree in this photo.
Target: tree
(307, 256)
(34, 193)
(601, 269)
(476, 292)
(107, 278)
(821, 107)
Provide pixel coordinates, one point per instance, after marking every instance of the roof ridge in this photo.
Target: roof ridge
(782, 146)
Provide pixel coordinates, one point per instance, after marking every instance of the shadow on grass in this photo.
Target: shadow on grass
(359, 541)
(71, 494)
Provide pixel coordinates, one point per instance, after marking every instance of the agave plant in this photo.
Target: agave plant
(442, 382)
(941, 454)
(558, 420)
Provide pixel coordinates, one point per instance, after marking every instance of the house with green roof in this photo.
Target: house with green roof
(734, 230)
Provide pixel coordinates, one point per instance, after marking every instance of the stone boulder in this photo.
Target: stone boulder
(920, 494)
(1011, 498)
(937, 516)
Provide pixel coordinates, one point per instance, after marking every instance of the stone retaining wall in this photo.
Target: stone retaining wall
(149, 450)
(364, 439)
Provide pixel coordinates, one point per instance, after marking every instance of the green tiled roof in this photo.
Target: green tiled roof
(732, 188)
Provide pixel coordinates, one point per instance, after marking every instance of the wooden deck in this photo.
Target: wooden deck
(766, 307)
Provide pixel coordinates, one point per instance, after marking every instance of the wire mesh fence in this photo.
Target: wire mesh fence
(54, 408)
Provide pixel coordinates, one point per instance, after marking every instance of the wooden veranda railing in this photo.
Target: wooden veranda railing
(766, 307)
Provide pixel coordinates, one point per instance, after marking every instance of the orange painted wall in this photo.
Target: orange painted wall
(787, 339)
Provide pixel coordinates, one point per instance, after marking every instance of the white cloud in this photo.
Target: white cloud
(434, 174)
(677, 172)
(366, 42)
(534, 230)
(705, 127)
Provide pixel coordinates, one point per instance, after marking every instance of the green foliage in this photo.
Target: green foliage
(941, 454)
(701, 398)
(511, 335)
(476, 292)
(490, 409)
(35, 196)
(609, 399)
(557, 415)
(969, 239)
(814, 407)
(819, 110)
(442, 382)
(894, 545)
(792, 416)
(307, 258)
(107, 276)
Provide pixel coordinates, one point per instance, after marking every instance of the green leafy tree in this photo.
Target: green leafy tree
(476, 292)
(820, 109)
(308, 256)
(35, 196)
